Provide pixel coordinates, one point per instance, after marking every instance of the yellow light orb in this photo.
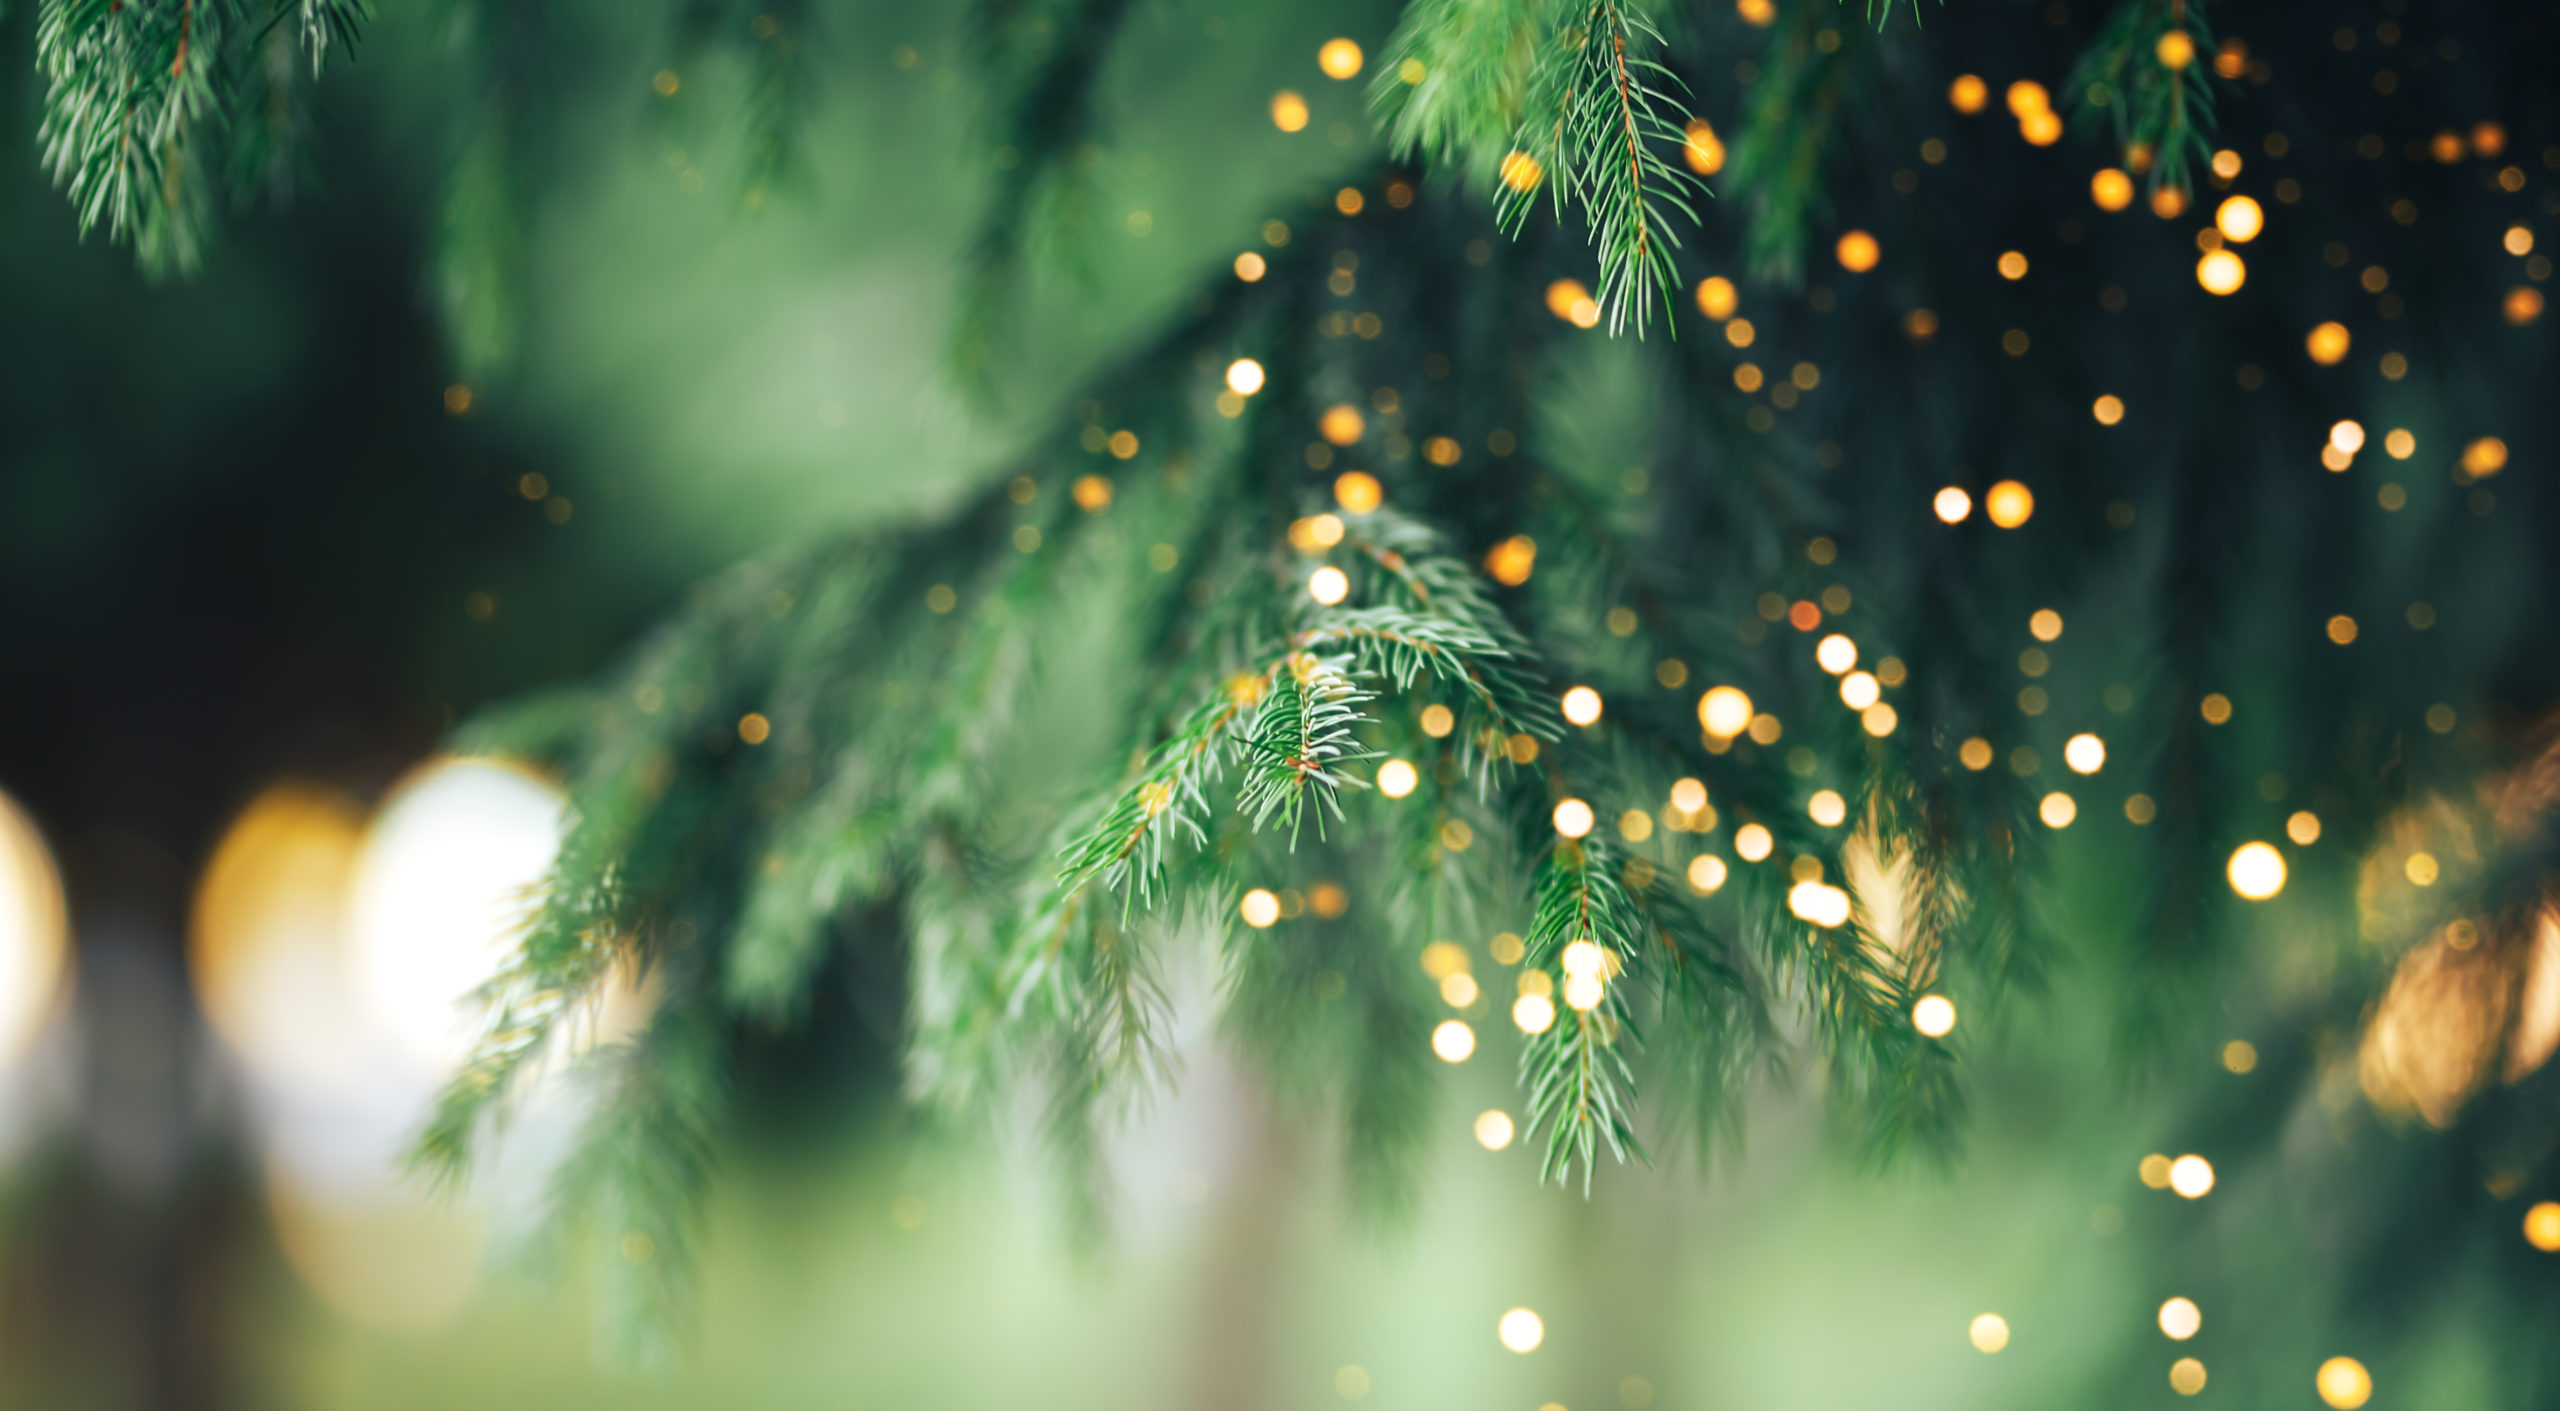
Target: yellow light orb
(2400, 443)
(1328, 585)
(2028, 98)
(1260, 908)
(2180, 1319)
(2176, 49)
(1952, 505)
(2256, 871)
(1858, 690)
(1583, 993)
(1725, 712)
(2168, 202)
(2328, 343)
(2484, 457)
(1341, 424)
(1456, 991)
(1835, 653)
(2009, 504)
(2239, 218)
(2344, 1383)
(2303, 827)
(1573, 818)
(1288, 111)
(1358, 492)
(1858, 252)
(1583, 957)
(2154, 1170)
(1244, 375)
(1453, 1041)
(2542, 1226)
(2044, 624)
(1250, 267)
(2108, 410)
(1827, 808)
(1493, 1129)
(2221, 272)
(2085, 753)
(1688, 795)
(1818, 903)
(1706, 873)
(1582, 705)
(1879, 719)
(1396, 778)
(2012, 265)
(1752, 842)
(2347, 436)
(1717, 298)
(1339, 58)
(1934, 1015)
(1968, 94)
(1534, 1014)
(1990, 1332)
(1438, 721)
(2057, 810)
(1522, 172)
(2239, 1055)
(2186, 1376)
(2191, 1176)
(1521, 1330)
(2111, 189)
(1703, 149)
(2041, 129)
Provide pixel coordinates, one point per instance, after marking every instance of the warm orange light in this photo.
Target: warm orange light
(1339, 58)
(2041, 129)
(1716, 297)
(2176, 49)
(1968, 94)
(1522, 172)
(1704, 150)
(2328, 344)
(2027, 97)
(2484, 457)
(2111, 189)
(1358, 492)
(2009, 504)
(2221, 272)
(1288, 111)
(1858, 252)
(1952, 504)
(2168, 203)
(2240, 218)
(1341, 424)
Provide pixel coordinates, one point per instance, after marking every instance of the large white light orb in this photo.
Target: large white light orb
(448, 875)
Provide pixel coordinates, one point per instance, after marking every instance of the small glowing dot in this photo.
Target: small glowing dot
(1339, 58)
(1835, 653)
(1250, 267)
(1535, 1014)
(2111, 189)
(1975, 754)
(1716, 297)
(1858, 690)
(1493, 1129)
(2108, 409)
(1328, 585)
(2328, 344)
(2239, 1055)
(1244, 375)
(1573, 818)
(1288, 111)
(1396, 778)
(2176, 49)
(1725, 712)
(2400, 444)
(1341, 424)
(754, 728)
(1456, 990)
(2256, 871)
(2240, 219)
(1260, 908)
(1968, 94)
(1934, 1015)
(2421, 868)
(1858, 252)
(1952, 505)
(1583, 992)
(1879, 719)
(1582, 705)
(2186, 1376)
(2180, 1319)
(2085, 753)
(1827, 808)
(2013, 265)
(1703, 149)
(2344, 1383)
(1688, 796)
(2155, 1171)
(2045, 625)
(2216, 709)
(1706, 873)
(2191, 1176)
(1521, 1330)
(1453, 1041)
(2542, 1226)
(1753, 842)
(1990, 1332)
(2057, 810)
(2303, 827)
(2009, 504)
(2347, 436)
(1521, 172)
(2484, 457)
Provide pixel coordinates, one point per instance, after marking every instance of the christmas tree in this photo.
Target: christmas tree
(1683, 550)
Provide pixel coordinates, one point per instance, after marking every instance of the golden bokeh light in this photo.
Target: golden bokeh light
(2303, 827)
(1706, 873)
(33, 931)
(1573, 818)
(2012, 265)
(1341, 424)
(1260, 908)
(2186, 1376)
(2057, 810)
(1328, 585)
(1989, 1332)
(2221, 272)
(2180, 1319)
(2239, 1055)
(1952, 504)
(2009, 504)
(2108, 410)
(1358, 492)
(1582, 706)
(2347, 436)
(1438, 721)
(1725, 712)
(2176, 49)
(2191, 1176)
(1835, 653)
(2084, 753)
(2256, 871)
(1717, 298)
(1521, 1330)
(1510, 561)
(2484, 457)
(2239, 218)
(1244, 375)
(2111, 189)
(266, 937)
(1827, 808)
(1493, 1129)
(2027, 98)
(1752, 842)
(2343, 1383)
(1703, 149)
(1534, 1014)
(1820, 903)
(2542, 1226)
(1289, 110)
(1522, 172)
(2328, 344)
(2154, 1171)
(1397, 778)
(1858, 252)
(1859, 690)
(1339, 58)
(1879, 719)
(1934, 1015)
(1968, 94)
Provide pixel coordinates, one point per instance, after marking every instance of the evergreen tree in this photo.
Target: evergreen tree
(1657, 570)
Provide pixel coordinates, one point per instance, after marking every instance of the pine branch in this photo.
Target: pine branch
(2162, 117)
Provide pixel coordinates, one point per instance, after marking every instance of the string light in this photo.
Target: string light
(1725, 712)
(1717, 298)
(1858, 252)
(1259, 909)
(2085, 753)
(1396, 778)
(2240, 218)
(1328, 585)
(1533, 1014)
(1706, 873)
(1753, 842)
(2186, 1376)
(1827, 808)
(1453, 1041)
(2328, 344)
(2057, 810)
(2221, 272)
(2111, 189)
(1934, 1015)
(2009, 504)
(1521, 1330)
(1968, 94)
(2256, 871)
(1573, 818)
(1339, 58)
(1493, 1129)
(2344, 1383)
(1835, 653)
(2180, 1319)
(1244, 375)
(1703, 149)
(1358, 492)
(1952, 505)
(1990, 1332)
(2191, 1176)
(1582, 706)
(1288, 111)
